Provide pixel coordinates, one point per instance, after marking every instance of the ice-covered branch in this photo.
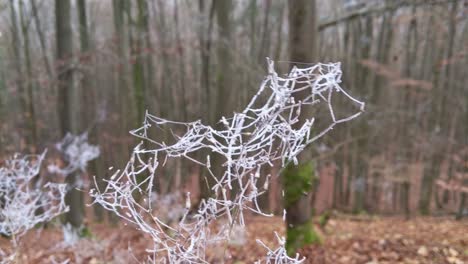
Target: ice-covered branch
(279, 255)
(266, 130)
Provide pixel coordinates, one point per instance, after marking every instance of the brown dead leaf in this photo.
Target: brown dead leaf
(422, 251)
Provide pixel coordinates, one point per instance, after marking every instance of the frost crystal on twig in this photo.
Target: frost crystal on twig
(263, 132)
(279, 255)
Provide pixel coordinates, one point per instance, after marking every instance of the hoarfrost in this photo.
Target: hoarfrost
(265, 131)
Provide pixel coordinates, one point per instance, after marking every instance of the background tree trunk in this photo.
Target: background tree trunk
(40, 35)
(89, 98)
(205, 41)
(30, 83)
(68, 104)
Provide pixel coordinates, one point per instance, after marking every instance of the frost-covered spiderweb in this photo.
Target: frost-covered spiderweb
(270, 128)
(77, 153)
(25, 201)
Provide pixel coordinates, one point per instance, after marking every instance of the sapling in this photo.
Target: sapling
(256, 137)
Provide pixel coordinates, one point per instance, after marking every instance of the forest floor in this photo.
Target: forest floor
(346, 239)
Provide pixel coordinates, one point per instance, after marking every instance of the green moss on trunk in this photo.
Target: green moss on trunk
(299, 236)
(298, 181)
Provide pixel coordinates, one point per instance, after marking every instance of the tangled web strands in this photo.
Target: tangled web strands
(77, 152)
(23, 204)
(268, 129)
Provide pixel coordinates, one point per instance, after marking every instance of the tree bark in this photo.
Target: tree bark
(438, 123)
(89, 99)
(205, 40)
(125, 98)
(3, 103)
(19, 82)
(224, 73)
(30, 112)
(298, 180)
(66, 112)
(40, 35)
(139, 80)
(263, 51)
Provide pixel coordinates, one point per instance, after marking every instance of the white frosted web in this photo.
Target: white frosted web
(270, 128)
(77, 152)
(24, 202)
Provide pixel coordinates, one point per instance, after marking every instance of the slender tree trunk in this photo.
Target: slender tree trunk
(40, 35)
(463, 131)
(205, 40)
(118, 7)
(3, 103)
(299, 180)
(146, 53)
(31, 114)
(407, 104)
(19, 82)
(224, 82)
(384, 44)
(67, 114)
(205, 35)
(182, 70)
(89, 99)
(181, 165)
(137, 46)
(265, 40)
(363, 40)
(437, 120)
(125, 98)
(253, 10)
(221, 103)
(169, 106)
(224, 72)
(279, 35)
(462, 206)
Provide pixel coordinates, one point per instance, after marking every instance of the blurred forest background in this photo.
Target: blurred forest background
(99, 65)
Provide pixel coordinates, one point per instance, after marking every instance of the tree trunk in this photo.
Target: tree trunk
(462, 206)
(363, 48)
(182, 71)
(137, 47)
(30, 112)
(146, 52)
(66, 112)
(205, 39)
(405, 198)
(438, 123)
(298, 181)
(125, 98)
(279, 35)
(3, 103)
(224, 72)
(40, 35)
(22, 98)
(263, 51)
(89, 99)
